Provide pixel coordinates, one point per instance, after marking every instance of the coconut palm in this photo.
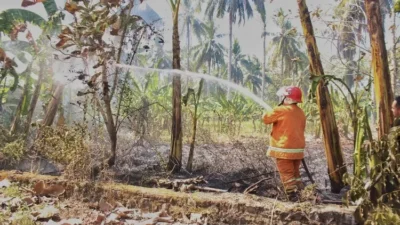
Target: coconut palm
(285, 47)
(238, 64)
(254, 74)
(352, 26)
(191, 23)
(209, 51)
(237, 10)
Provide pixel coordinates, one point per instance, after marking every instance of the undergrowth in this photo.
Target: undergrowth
(66, 146)
(377, 193)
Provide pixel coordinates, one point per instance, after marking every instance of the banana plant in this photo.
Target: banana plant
(12, 22)
(195, 97)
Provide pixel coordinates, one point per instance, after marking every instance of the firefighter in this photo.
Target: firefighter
(287, 140)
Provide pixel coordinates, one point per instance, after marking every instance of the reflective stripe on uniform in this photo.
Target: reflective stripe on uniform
(289, 181)
(286, 150)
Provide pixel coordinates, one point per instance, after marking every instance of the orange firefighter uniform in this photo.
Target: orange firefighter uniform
(287, 143)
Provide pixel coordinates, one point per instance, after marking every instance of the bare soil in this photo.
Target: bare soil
(231, 166)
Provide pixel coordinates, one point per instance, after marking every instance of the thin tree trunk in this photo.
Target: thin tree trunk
(282, 72)
(333, 151)
(35, 98)
(264, 61)
(394, 74)
(175, 157)
(109, 120)
(380, 67)
(17, 116)
(230, 49)
(51, 110)
(189, 166)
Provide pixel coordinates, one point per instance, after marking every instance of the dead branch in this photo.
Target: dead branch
(254, 186)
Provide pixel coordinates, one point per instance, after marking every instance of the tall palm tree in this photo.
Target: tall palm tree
(239, 60)
(285, 47)
(191, 23)
(333, 151)
(353, 24)
(264, 35)
(237, 10)
(175, 156)
(254, 74)
(209, 51)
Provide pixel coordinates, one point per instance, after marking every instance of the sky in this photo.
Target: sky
(248, 35)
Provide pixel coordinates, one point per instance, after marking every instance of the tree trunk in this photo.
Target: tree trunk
(17, 116)
(108, 117)
(230, 49)
(189, 166)
(175, 157)
(264, 61)
(380, 67)
(35, 98)
(51, 110)
(333, 151)
(394, 74)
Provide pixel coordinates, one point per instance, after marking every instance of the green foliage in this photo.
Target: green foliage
(14, 151)
(11, 17)
(379, 193)
(397, 6)
(12, 191)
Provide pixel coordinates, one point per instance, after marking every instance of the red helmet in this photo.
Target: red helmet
(291, 92)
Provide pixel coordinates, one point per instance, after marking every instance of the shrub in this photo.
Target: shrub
(378, 195)
(66, 146)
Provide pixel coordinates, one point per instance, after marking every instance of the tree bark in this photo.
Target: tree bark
(51, 110)
(394, 59)
(109, 120)
(264, 61)
(380, 67)
(334, 155)
(175, 157)
(189, 166)
(17, 116)
(35, 98)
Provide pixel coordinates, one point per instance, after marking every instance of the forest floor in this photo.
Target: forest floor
(232, 166)
(31, 199)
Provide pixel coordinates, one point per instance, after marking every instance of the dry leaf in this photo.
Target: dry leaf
(3, 55)
(105, 206)
(358, 78)
(63, 40)
(71, 7)
(115, 27)
(29, 201)
(39, 187)
(16, 30)
(54, 190)
(97, 218)
(26, 3)
(71, 222)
